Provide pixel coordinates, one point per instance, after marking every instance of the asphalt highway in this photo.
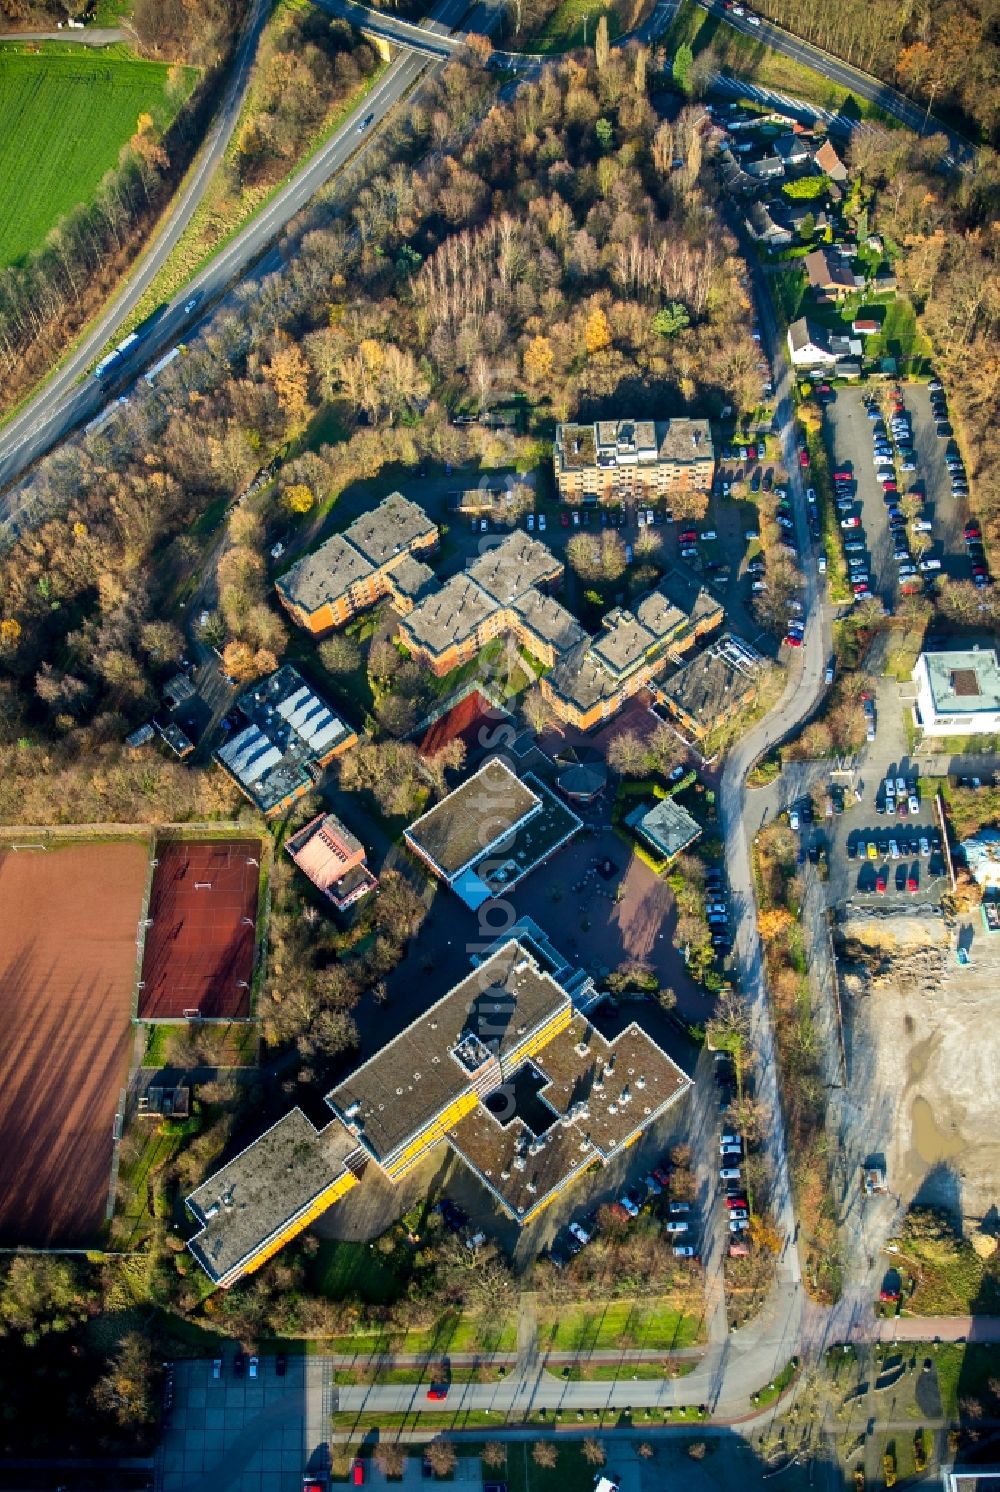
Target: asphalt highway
(921, 121)
(65, 405)
(60, 405)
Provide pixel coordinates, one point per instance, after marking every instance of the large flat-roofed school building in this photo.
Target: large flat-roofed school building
(454, 1076)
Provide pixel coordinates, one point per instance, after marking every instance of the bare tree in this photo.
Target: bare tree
(544, 1453)
(442, 1457)
(390, 1459)
(593, 1451)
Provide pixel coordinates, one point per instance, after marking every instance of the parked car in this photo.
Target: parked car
(677, 1228)
(683, 1251)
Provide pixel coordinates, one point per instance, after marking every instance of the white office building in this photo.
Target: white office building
(958, 692)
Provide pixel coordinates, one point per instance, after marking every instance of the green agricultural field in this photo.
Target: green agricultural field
(63, 120)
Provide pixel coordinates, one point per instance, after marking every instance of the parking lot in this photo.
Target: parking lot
(243, 1434)
(849, 433)
(875, 855)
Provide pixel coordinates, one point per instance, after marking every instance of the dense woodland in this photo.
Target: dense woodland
(534, 258)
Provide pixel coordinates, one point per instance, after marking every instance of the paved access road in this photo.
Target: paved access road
(87, 36)
(962, 152)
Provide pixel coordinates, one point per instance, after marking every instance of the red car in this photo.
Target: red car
(803, 457)
(357, 1473)
(888, 1295)
(880, 883)
(660, 1175)
(972, 531)
(438, 1391)
(979, 569)
(687, 537)
(911, 884)
(564, 518)
(736, 1202)
(791, 641)
(843, 475)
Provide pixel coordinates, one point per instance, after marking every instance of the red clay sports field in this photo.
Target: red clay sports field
(68, 923)
(199, 948)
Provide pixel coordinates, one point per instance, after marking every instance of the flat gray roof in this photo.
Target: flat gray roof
(687, 440)
(447, 617)
(509, 568)
(581, 678)
(491, 1012)
(321, 577)
(389, 529)
(488, 806)
(658, 614)
(550, 620)
(963, 681)
(600, 1094)
(411, 577)
(620, 645)
(707, 686)
(264, 1187)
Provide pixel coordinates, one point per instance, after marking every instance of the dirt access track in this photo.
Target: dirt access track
(68, 923)
(923, 1056)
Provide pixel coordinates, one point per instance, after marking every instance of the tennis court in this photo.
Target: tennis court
(68, 923)
(199, 949)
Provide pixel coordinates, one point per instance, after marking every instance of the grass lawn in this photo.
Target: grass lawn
(564, 28)
(111, 12)
(232, 1043)
(964, 1371)
(610, 1372)
(781, 1381)
(341, 1268)
(620, 1323)
(571, 1473)
(64, 116)
(451, 1333)
(899, 337)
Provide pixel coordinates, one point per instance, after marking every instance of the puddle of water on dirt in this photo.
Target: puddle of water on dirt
(918, 1058)
(930, 1142)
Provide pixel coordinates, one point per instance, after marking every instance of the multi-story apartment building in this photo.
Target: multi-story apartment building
(612, 461)
(502, 592)
(373, 558)
(592, 680)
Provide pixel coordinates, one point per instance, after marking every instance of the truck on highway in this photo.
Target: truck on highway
(115, 357)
